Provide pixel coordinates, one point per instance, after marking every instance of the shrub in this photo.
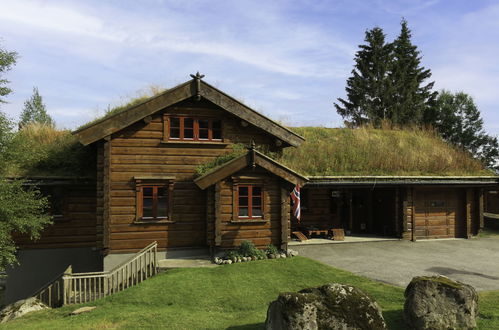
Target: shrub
(271, 249)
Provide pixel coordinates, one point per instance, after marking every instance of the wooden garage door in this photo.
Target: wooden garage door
(439, 213)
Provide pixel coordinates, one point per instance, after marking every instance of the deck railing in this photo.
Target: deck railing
(74, 288)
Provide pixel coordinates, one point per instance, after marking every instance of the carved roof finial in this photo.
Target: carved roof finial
(197, 78)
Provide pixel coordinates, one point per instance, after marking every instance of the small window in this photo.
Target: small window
(154, 200)
(193, 129)
(56, 200)
(250, 202)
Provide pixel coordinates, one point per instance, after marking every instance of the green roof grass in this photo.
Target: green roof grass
(368, 151)
(43, 151)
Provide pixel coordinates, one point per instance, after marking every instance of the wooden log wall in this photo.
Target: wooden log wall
(319, 212)
(76, 228)
(408, 214)
(230, 232)
(140, 150)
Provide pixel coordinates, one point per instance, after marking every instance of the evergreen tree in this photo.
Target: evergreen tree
(369, 87)
(22, 209)
(7, 60)
(459, 122)
(412, 101)
(34, 111)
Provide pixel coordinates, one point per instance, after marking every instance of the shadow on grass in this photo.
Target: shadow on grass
(248, 326)
(394, 319)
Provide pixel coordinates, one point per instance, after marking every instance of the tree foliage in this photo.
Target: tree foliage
(22, 208)
(412, 100)
(368, 87)
(34, 111)
(7, 60)
(459, 122)
(387, 83)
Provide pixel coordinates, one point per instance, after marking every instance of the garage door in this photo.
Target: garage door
(439, 213)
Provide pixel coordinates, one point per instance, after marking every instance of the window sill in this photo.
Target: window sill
(152, 222)
(249, 221)
(183, 142)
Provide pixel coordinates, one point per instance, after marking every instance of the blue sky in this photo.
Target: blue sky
(287, 59)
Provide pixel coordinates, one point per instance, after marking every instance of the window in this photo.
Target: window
(56, 200)
(154, 200)
(250, 202)
(193, 129)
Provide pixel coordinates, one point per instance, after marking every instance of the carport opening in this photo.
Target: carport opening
(362, 212)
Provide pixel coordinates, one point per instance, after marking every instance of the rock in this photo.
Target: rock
(271, 256)
(292, 253)
(82, 310)
(437, 302)
(20, 308)
(219, 261)
(229, 261)
(332, 306)
(283, 255)
(278, 256)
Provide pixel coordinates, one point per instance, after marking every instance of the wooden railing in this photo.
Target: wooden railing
(74, 288)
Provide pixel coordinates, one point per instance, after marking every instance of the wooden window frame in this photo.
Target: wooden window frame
(237, 182)
(195, 129)
(140, 184)
(250, 207)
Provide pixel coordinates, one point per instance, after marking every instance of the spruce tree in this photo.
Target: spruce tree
(369, 87)
(34, 111)
(412, 100)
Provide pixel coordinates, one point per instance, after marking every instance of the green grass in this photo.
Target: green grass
(368, 151)
(42, 150)
(234, 297)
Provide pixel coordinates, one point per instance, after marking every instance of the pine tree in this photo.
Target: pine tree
(369, 87)
(34, 111)
(459, 122)
(412, 101)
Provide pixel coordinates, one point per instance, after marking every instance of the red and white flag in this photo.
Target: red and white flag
(295, 196)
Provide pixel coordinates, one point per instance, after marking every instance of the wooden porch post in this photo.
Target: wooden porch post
(285, 218)
(218, 214)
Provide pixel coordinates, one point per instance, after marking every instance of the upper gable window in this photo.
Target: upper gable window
(179, 128)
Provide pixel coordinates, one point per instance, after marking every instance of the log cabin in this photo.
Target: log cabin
(146, 186)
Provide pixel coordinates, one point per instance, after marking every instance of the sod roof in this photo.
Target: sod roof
(377, 152)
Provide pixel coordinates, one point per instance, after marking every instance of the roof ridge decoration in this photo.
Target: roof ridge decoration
(198, 88)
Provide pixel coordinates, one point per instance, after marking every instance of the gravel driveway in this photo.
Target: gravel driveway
(472, 261)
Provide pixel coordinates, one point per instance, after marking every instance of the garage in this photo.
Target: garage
(439, 213)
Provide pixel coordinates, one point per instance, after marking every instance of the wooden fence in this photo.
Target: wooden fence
(75, 288)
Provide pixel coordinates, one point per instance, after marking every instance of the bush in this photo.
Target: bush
(271, 249)
(247, 249)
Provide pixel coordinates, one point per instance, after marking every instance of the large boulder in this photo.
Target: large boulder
(20, 308)
(437, 302)
(332, 306)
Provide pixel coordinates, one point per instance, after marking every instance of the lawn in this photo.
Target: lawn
(233, 296)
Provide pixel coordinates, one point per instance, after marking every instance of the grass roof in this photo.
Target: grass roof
(141, 97)
(368, 151)
(39, 150)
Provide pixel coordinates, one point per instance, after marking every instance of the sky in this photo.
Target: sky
(287, 59)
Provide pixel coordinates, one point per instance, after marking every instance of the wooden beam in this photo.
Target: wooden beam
(246, 113)
(106, 225)
(222, 172)
(480, 209)
(397, 213)
(126, 118)
(218, 215)
(285, 218)
(469, 210)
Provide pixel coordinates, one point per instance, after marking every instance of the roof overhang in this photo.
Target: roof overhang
(193, 88)
(251, 159)
(371, 181)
